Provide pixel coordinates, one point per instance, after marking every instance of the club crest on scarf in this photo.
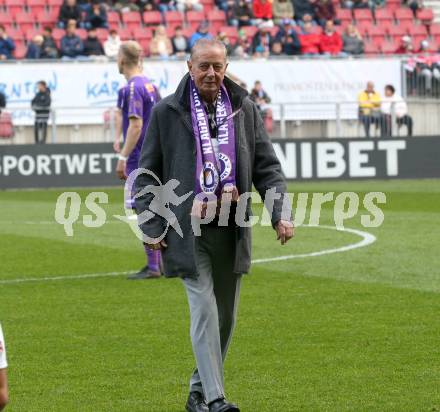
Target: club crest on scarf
(215, 174)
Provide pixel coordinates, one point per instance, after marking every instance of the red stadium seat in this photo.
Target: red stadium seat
(131, 19)
(36, 6)
(113, 17)
(403, 14)
(170, 31)
(16, 34)
(434, 29)
(20, 51)
(45, 19)
(363, 14)
(14, 6)
(377, 31)
(125, 34)
(406, 25)
(396, 31)
(208, 5)
(82, 33)
(145, 44)
(389, 47)
(30, 34)
(194, 18)
(58, 34)
(6, 125)
(364, 28)
(25, 21)
(426, 16)
(382, 15)
(393, 5)
(173, 18)
(152, 18)
(344, 15)
(217, 19)
(188, 32)
(371, 48)
(142, 33)
(102, 34)
(55, 4)
(418, 30)
(6, 21)
(231, 32)
(250, 31)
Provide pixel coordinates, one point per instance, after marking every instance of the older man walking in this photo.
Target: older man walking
(209, 137)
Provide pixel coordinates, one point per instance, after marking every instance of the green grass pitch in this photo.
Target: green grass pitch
(351, 331)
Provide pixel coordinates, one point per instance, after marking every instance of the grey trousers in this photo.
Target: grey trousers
(213, 300)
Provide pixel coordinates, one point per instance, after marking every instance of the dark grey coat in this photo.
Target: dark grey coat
(169, 151)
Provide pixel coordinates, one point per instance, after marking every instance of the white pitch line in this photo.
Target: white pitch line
(367, 239)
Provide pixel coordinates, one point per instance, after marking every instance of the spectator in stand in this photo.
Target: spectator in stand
(277, 49)
(222, 4)
(2, 101)
(7, 45)
(180, 43)
(262, 41)
(393, 106)
(189, 5)
(361, 4)
(414, 5)
(406, 46)
(243, 47)
(282, 10)
(352, 40)
(242, 14)
(124, 6)
(160, 45)
(112, 44)
(324, 11)
(331, 41)
(310, 41)
(71, 45)
(223, 37)
(35, 49)
(201, 33)
(50, 49)
(262, 100)
(41, 106)
(303, 7)
(307, 18)
(96, 16)
(288, 38)
(92, 45)
(369, 108)
(69, 11)
(162, 5)
(262, 10)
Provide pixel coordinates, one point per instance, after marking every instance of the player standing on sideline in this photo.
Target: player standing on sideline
(135, 101)
(3, 376)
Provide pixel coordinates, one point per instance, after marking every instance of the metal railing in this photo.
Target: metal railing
(295, 120)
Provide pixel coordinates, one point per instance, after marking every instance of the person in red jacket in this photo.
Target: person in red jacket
(331, 41)
(263, 9)
(310, 41)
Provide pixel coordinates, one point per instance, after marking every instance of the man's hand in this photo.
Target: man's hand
(285, 231)
(157, 246)
(120, 169)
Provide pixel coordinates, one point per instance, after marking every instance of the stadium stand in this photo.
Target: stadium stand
(381, 28)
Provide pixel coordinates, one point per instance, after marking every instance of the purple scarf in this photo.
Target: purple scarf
(213, 176)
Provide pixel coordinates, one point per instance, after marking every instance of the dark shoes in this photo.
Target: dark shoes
(145, 273)
(222, 405)
(196, 403)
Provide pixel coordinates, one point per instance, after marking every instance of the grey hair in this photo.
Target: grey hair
(206, 43)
